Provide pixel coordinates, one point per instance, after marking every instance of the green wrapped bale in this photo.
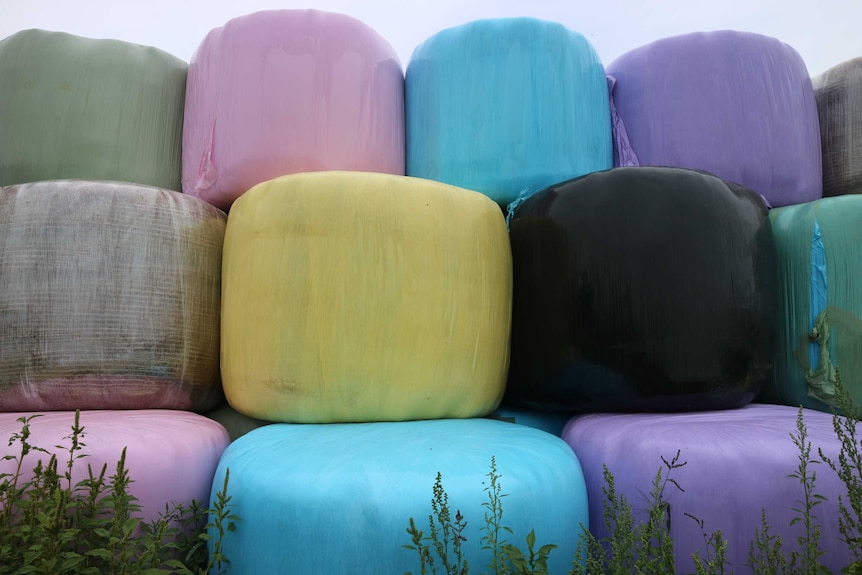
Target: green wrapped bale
(110, 298)
(76, 108)
(819, 333)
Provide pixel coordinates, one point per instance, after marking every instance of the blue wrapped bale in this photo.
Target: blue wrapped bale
(640, 289)
(499, 106)
(356, 486)
(736, 104)
(819, 332)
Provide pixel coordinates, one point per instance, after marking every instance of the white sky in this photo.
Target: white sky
(824, 32)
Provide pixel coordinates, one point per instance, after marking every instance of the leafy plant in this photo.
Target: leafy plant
(50, 525)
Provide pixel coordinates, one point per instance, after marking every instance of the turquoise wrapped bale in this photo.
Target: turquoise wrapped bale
(337, 498)
(503, 105)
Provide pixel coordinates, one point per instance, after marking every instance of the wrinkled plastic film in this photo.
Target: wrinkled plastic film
(736, 104)
(287, 91)
(499, 106)
(76, 108)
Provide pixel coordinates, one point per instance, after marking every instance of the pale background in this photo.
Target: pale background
(824, 32)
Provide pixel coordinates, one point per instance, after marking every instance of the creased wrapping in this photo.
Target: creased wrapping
(351, 297)
(640, 289)
(109, 297)
(819, 332)
(286, 91)
(736, 104)
(356, 486)
(839, 103)
(171, 455)
(503, 105)
(76, 108)
(739, 462)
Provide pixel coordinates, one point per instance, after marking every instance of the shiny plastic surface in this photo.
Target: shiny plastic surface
(640, 289)
(499, 106)
(736, 104)
(72, 107)
(356, 486)
(364, 297)
(171, 456)
(820, 298)
(839, 103)
(110, 296)
(738, 464)
(287, 91)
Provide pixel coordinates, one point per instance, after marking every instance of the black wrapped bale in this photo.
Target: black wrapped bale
(641, 289)
(839, 103)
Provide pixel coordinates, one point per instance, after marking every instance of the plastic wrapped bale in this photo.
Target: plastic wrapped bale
(234, 422)
(73, 107)
(640, 289)
(357, 486)
(838, 92)
(500, 106)
(820, 297)
(287, 91)
(364, 297)
(110, 297)
(171, 456)
(736, 104)
(552, 423)
(737, 464)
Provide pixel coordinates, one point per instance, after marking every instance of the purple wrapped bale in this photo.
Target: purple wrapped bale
(736, 104)
(640, 289)
(738, 463)
(838, 92)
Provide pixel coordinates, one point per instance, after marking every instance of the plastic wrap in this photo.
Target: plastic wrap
(364, 297)
(820, 327)
(234, 422)
(500, 106)
(287, 91)
(640, 289)
(736, 104)
(552, 423)
(738, 464)
(72, 107)
(356, 486)
(109, 297)
(838, 92)
(171, 456)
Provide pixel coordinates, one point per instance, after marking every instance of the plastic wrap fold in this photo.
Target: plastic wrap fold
(641, 289)
(356, 486)
(364, 297)
(504, 105)
(171, 456)
(820, 300)
(736, 104)
(287, 91)
(839, 103)
(73, 107)
(109, 297)
(738, 463)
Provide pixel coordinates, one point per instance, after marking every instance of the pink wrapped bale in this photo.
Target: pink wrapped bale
(110, 298)
(738, 464)
(171, 456)
(288, 91)
(737, 104)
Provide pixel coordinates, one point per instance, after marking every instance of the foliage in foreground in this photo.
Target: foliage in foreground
(646, 547)
(50, 525)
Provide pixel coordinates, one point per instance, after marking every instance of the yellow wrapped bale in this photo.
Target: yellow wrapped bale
(352, 297)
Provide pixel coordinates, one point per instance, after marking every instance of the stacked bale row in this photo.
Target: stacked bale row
(109, 279)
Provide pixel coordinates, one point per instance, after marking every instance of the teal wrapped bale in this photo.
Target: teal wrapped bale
(819, 332)
(499, 106)
(352, 489)
(76, 108)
